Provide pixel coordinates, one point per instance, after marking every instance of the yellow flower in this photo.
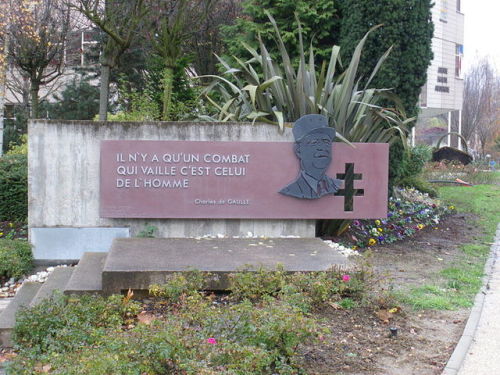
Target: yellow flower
(11, 225)
(1, 234)
(377, 222)
(420, 226)
(451, 207)
(355, 248)
(380, 230)
(372, 241)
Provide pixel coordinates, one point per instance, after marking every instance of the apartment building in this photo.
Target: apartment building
(443, 92)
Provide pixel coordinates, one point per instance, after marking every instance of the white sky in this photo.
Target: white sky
(482, 31)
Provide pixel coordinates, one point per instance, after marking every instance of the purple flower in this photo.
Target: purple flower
(390, 214)
(356, 223)
(408, 219)
(381, 238)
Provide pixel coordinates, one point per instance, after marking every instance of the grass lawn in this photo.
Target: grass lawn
(456, 285)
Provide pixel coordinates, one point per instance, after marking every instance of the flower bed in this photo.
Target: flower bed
(409, 211)
(13, 230)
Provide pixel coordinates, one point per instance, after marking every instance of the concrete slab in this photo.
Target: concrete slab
(57, 280)
(87, 276)
(4, 302)
(8, 317)
(71, 243)
(137, 263)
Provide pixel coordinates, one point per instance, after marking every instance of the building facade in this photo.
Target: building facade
(443, 92)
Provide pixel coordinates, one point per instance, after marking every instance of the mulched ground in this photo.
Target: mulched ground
(361, 342)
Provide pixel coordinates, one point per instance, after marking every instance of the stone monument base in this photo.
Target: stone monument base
(136, 263)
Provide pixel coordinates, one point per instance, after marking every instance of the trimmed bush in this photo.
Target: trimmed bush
(16, 258)
(414, 161)
(14, 188)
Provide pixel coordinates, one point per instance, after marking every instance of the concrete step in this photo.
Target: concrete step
(57, 280)
(136, 263)
(4, 302)
(23, 298)
(87, 276)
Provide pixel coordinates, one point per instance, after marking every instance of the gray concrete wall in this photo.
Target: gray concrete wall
(64, 176)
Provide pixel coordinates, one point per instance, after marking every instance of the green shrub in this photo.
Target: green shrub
(71, 335)
(179, 285)
(62, 323)
(254, 285)
(414, 160)
(116, 354)
(16, 258)
(15, 128)
(21, 148)
(303, 291)
(13, 187)
(411, 168)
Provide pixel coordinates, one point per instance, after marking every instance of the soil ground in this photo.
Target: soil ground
(360, 341)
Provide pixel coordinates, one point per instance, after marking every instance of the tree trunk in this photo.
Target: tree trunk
(168, 81)
(2, 104)
(3, 81)
(104, 92)
(35, 88)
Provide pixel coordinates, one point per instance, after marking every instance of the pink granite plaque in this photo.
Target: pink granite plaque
(235, 180)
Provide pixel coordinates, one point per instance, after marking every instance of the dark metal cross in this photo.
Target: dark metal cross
(348, 192)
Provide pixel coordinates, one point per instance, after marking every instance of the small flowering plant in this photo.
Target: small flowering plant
(408, 212)
(13, 231)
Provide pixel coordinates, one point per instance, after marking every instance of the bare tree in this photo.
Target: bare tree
(206, 39)
(38, 32)
(5, 10)
(121, 21)
(490, 119)
(481, 103)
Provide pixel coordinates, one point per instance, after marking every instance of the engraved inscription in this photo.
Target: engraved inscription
(143, 170)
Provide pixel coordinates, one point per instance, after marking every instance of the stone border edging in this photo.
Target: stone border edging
(463, 345)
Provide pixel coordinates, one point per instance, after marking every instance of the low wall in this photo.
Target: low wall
(63, 178)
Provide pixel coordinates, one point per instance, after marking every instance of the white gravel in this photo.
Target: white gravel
(9, 288)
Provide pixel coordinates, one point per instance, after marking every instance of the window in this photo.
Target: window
(443, 13)
(442, 89)
(459, 54)
(90, 48)
(442, 80)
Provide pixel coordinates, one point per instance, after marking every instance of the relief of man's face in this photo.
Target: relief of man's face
(315, 153)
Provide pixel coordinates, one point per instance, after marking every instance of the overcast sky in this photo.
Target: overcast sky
(482, 31)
